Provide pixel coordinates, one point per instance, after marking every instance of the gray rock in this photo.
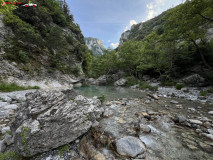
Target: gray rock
(102, 80)
(173, 102)
(210, 136)
(108, 113)
(5, 130)
(210, 131)
(8, 139)
(2, 147)
(130, 146)
(210, 112)
(194, 121)
(146, 77)
(145, 128)
(135, 86)
(154, 96)
(180, 119)
(194, 80)
(49, 119)
(120, 82)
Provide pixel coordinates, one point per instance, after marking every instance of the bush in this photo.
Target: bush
(102, 98)
(23, 56)
(210, 90)
(168, 83)
(203, 93)
(179, 86)
(9, 87)
(144, 85)
(131, 81)
(10, 156)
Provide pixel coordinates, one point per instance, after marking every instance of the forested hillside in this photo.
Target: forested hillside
(176, 43)
(44, 36)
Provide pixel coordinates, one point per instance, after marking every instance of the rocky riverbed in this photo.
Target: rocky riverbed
(154, 126)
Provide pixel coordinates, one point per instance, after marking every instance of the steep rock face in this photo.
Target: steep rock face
(4, 32)
(41, 49)
(95, 45)
(50, 119)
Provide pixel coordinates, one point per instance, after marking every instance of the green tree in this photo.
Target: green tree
(186, 26)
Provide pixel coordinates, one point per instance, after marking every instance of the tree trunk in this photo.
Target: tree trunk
(201, 54)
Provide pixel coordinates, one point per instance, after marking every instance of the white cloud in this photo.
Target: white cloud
(132, 22)
(114, 45)
(156, 7)
(151, 14)
(108, 41)
(126, 28)
(149, 6)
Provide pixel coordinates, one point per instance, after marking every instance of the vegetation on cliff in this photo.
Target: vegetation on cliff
(46, 36)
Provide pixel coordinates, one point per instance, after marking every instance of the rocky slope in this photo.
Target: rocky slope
(95, 45)
(48, 51)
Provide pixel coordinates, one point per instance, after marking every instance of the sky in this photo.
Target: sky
(108, 19)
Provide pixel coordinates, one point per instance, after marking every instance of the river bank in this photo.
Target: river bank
(167, 125)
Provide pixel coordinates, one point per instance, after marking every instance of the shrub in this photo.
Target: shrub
(9, 87)
(210, 90)
(23, 56)
(203, 93)
(168, 83)
(131, 81)
(102, 98)
(10, 156)
(144, 85)
(179, 86)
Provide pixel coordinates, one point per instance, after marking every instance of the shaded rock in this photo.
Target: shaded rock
(135, 86)
(210, 136)
(154, 96)
(49, 119)
(2, 147)
(210, 112)
(179, 119)
(108, 113)
(102, 80)
(5, 130)
(145, 128)
(210, 131)
(194, 121)
(173, 102)
(120, 82)
(130, 146)
(206, 147)
(8, 139)
(99, 156)
(146, 77)
(90, 81)
(194, 80)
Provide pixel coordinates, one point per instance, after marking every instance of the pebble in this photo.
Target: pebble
(99, 156)
(5, 129)
(173, 102)
(130, 146)
(108, 113)
(145, 128)
(210, 136)
(194, 121)
(210, 112)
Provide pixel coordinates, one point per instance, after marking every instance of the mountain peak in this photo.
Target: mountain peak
(95, 45)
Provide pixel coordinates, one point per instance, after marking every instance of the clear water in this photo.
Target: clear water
(110, 92)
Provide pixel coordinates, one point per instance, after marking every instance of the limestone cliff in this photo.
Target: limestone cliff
(95, 45)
